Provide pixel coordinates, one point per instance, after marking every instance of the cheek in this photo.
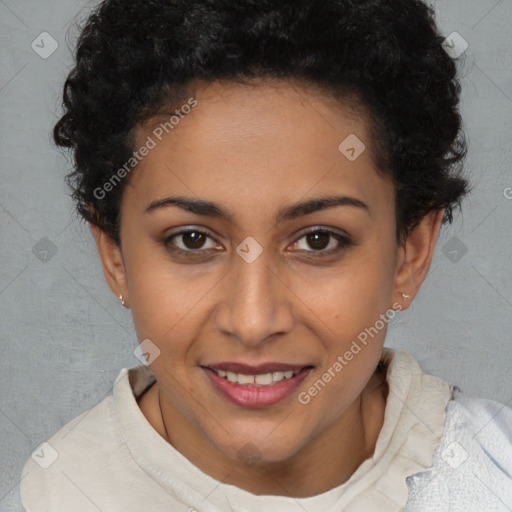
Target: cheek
(166, 301)
(353, 312)
(351, 298)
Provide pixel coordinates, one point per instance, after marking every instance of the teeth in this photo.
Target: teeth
(232, 377)
(264, 379)
(245, 379)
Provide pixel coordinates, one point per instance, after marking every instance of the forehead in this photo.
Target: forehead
(274, 142)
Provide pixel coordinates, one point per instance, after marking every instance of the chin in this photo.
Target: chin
(260, 448)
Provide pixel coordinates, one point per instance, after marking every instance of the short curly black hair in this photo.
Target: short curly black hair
(135, 57)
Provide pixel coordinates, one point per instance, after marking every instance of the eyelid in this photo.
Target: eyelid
(323, 229)
(190, 229)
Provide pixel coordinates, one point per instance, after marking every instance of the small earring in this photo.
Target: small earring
(405, 295)
(121, 300)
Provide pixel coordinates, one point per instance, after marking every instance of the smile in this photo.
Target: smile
(261, 386)
(262, 379)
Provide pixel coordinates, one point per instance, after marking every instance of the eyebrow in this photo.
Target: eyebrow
(287, 213)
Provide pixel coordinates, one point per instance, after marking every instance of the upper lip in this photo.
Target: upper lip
(259, 369)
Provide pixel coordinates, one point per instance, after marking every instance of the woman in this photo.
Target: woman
(265, 182)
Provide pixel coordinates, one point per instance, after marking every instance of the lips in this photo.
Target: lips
(256, 386)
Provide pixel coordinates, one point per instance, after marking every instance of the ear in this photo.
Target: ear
(415, 256)
(112, 262)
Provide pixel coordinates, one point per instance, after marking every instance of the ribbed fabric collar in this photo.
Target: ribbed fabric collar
(413, 424)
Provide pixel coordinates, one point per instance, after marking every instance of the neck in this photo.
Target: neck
(331, 457)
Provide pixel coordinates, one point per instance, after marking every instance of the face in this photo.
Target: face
(267, 277)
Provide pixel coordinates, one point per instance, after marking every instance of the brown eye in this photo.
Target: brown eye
(192, 242)
(193, 239)
(322, 242)
(318, 240)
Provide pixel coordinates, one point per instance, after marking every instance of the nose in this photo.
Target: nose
(256, 305)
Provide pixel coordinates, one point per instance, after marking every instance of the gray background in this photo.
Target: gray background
(64, 337)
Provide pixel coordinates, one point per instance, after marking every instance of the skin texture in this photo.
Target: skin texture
(253, 150)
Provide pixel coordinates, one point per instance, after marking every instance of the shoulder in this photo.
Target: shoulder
(77, 467)
(49, 473)
(472, 466)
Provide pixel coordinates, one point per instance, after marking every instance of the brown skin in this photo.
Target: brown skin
(254, 150)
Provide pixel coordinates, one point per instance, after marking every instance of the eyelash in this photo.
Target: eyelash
(344, 241)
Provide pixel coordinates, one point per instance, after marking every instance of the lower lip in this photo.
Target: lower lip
(256, 396)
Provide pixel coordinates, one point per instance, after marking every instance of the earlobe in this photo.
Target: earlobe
(111, 261)
(415, 257)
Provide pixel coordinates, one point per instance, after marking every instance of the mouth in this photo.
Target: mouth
(256, 386)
